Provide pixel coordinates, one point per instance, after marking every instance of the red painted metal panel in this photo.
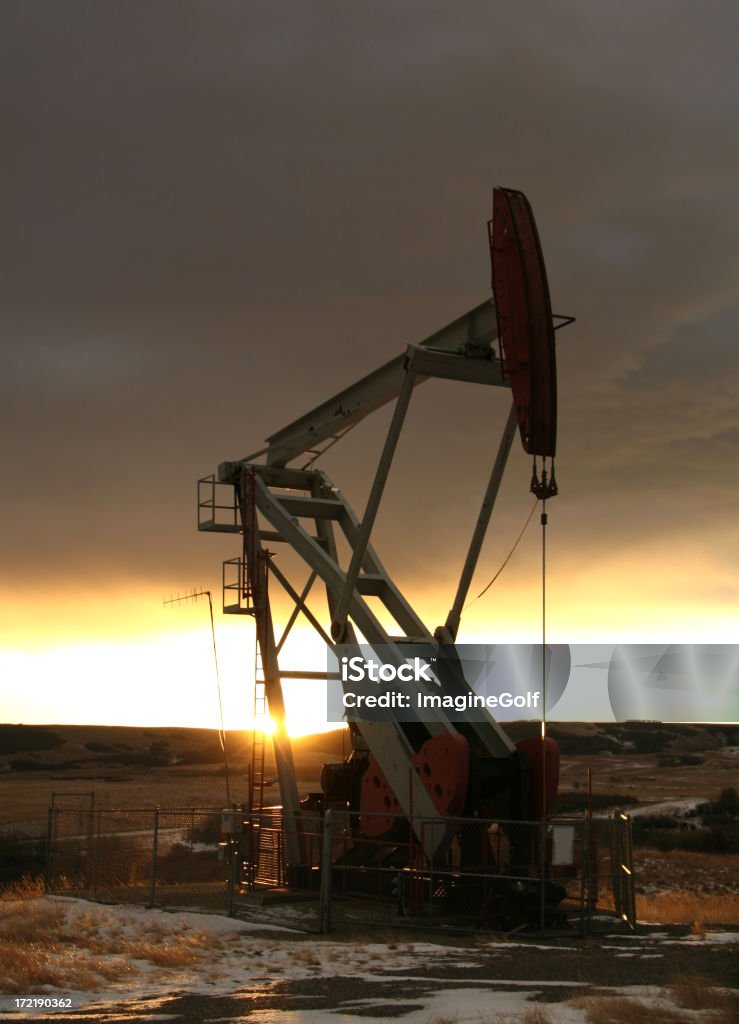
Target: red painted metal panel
(443, 766)
(525, 325)
(377, 801)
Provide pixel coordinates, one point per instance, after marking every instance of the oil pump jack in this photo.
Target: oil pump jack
(431, 767)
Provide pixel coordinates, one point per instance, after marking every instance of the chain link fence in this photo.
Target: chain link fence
(484, 874)
(326, 872)
(159, 856)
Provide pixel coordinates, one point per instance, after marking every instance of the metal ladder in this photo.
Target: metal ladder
(256, 774)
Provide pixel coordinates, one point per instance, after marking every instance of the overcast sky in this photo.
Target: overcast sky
(216, 214)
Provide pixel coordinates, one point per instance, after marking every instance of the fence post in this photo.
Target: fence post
(155, 843)
(250, 871)
(616, 865)
(327, 847)
(49, 851)
(630, 858)
(583, 861)
(542, 872)
(89, 848)
(95, 847)
(234, 860)
(588, 878)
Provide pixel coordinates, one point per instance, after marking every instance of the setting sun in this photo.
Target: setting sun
(159, 669)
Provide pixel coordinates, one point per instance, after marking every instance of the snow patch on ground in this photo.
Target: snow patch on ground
(248, 958)
(131, 920)
(670, 808)
(459, 1005)
(721, 938)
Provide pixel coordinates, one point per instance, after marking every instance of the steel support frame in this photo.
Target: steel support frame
(462, 351)
(469, 337)
(373, 503)
(448, 632)
(256, 559)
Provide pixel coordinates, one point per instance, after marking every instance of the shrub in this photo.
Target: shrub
(717, 839)
(728, 801)
(202, 755)
(21, 856)
(206, 831)
(569, 743)
(14, 738)
(29, 764)
(571, 803)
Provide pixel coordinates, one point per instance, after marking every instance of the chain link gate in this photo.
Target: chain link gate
(155, 856)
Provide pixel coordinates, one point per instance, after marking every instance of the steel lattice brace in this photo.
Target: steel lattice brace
(287, 499)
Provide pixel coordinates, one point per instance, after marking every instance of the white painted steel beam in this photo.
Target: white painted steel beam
(373, 504)
(451, 626)
(466, 340)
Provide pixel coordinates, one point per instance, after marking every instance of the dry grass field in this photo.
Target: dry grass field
(681, 1002)
(136, 767)
(41, 947)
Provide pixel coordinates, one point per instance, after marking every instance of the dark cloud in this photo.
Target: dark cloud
(217, 214)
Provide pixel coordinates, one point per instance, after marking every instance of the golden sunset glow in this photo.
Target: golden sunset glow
(128, 659)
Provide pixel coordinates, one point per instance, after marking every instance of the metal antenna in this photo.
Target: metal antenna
(195, 595)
